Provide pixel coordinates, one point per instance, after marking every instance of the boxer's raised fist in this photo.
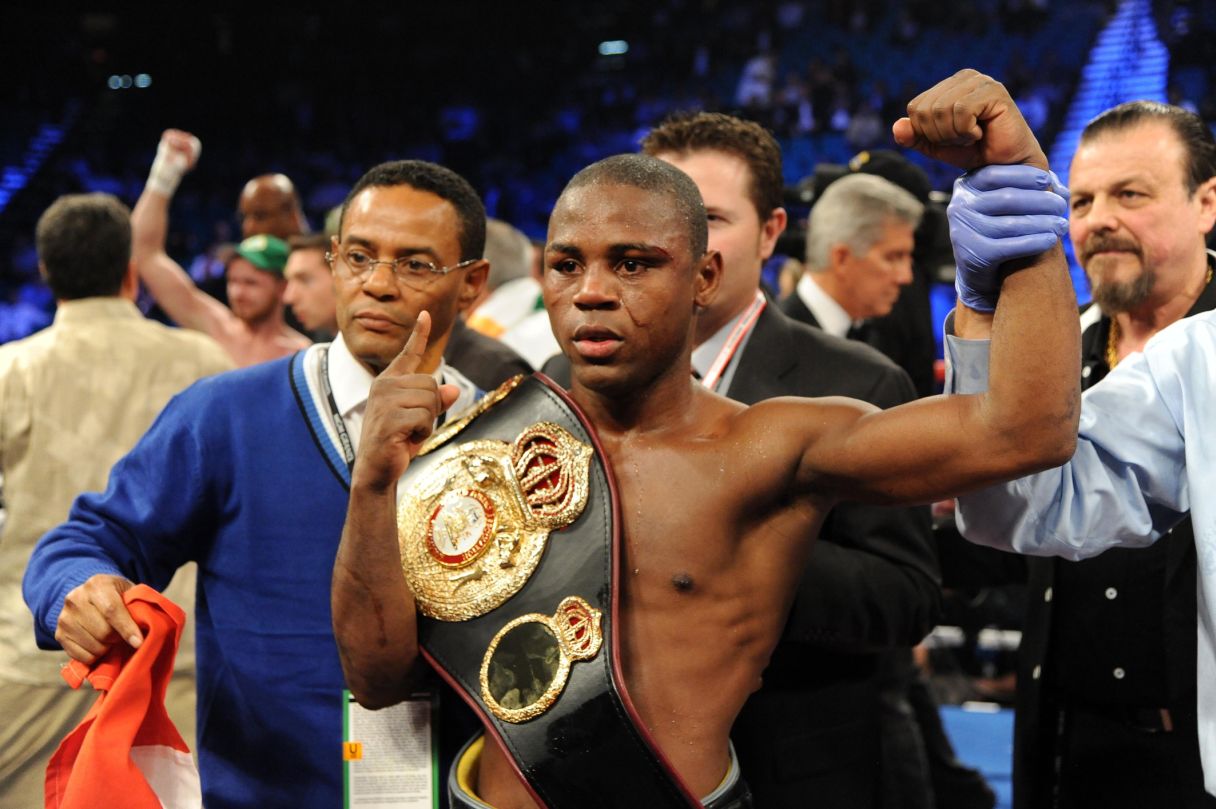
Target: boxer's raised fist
(968, 121)
(176, 154)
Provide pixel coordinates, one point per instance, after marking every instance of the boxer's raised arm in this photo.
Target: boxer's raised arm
(375, 621)
(164, 278)
(1027, 420)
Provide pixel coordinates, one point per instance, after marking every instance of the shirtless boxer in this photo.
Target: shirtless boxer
(711, 563)
(251, 328)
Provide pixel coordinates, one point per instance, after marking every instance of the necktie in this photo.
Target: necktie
(860, 331)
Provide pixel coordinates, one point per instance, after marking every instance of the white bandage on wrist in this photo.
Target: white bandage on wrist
(170, 166)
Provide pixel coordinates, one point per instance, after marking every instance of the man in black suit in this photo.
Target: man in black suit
(860, 240)
(815, 730)
(907, 334)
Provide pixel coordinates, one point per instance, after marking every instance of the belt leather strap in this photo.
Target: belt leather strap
(589, 748)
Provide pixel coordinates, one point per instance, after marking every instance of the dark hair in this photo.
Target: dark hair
(654, 175)
(308, 241)
(1192, 132)
(84, 245)
(747, 140)
(443, 183)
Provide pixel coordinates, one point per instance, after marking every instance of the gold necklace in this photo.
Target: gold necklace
(1112, 344)
(1112, 336)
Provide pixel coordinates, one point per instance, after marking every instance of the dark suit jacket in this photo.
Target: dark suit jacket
(798, 310)
(485, 361)
(811, 735)
(905, 336)
(896, 572)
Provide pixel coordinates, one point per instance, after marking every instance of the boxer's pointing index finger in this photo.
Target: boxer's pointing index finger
(410, 358)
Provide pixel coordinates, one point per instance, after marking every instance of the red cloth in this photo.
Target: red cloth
(127, 739)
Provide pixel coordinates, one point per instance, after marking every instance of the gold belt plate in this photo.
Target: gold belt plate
(527, 664)
(473, 528)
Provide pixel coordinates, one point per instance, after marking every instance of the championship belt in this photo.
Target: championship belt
(508, 524)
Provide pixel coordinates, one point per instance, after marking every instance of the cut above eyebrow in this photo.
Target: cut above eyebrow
(615, 250)
(638, 247)
(564, 249)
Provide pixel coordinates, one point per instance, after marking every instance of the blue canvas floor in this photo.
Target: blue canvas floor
(983, 739)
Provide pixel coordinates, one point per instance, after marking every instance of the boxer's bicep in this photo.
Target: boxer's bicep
(923, 451)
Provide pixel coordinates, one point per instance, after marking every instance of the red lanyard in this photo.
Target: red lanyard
(740, 331)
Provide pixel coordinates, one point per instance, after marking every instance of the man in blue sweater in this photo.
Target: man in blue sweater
(248, 474)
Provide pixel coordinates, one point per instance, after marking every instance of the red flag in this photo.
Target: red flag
(127, 751)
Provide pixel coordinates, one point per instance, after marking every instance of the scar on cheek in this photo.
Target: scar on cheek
(682, 582)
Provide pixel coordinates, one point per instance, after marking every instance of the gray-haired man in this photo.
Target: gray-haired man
(859, 254)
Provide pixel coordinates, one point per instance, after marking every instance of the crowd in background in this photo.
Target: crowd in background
(311, 97)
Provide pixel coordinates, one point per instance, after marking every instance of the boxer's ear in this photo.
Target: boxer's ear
(708, 279)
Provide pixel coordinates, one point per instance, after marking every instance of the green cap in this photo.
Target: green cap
(265, 252)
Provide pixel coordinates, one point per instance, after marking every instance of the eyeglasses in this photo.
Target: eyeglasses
(358, 263)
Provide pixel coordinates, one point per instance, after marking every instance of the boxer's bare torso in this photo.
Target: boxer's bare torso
(715, 540)
(250, 345)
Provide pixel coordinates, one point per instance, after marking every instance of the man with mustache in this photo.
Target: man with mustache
(1106, 670)
(1110, 690)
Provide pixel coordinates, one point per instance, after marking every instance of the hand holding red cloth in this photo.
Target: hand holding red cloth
(126, 751)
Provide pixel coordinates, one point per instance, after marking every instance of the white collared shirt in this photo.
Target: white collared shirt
(351, 383)
(704, 355)
(831, 315)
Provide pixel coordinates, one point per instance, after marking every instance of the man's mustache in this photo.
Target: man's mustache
(1099, 244)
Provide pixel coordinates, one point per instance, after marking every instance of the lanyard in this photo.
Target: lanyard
(741, 329)
(348, 449)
